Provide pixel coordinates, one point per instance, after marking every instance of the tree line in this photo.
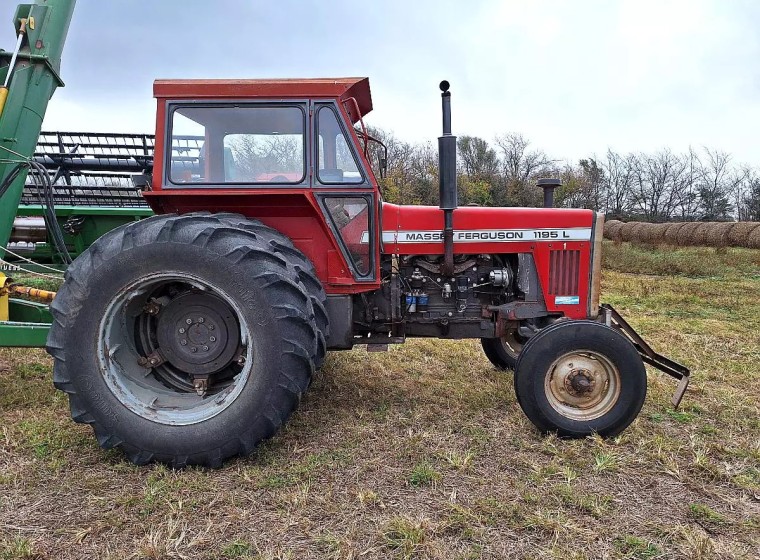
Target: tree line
(699, 185)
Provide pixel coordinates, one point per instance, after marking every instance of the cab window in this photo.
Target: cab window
(337, 162)
(350, 217)
(240, 144)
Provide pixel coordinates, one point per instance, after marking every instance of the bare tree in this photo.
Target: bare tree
(657, 181)
(477, 159)
(747, 195)
(257, 157)
(520, 166)
(688, 191)
(658, 186)
(717, 180)
(619, 170)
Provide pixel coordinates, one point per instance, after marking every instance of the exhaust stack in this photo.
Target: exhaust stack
(447, 177)
(549, 185)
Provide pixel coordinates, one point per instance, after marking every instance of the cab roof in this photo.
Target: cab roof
(342, 89)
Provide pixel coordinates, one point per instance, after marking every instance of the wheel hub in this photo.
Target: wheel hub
(198, 333)
(582, 385)
(580, 381)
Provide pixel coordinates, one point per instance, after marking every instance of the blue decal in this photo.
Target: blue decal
(567, 300)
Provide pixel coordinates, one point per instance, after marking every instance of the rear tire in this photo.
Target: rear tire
(235, 279)
(578, 378)
(282, 244)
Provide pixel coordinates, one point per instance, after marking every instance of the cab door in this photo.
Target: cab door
(342, 185)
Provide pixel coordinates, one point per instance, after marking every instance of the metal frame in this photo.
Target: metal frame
(613, 319)
(371, 220)
(358, 160)
(173, 105)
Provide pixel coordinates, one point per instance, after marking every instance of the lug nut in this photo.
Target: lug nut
(201, 319)
(205, 348)
(193, 349)
(183, 342)
(211, 327)
(212, 339)
(182, 331)
(189, 321)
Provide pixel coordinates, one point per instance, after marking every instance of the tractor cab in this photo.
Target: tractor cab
(282, 151)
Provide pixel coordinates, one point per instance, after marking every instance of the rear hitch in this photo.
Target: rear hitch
(613, 319)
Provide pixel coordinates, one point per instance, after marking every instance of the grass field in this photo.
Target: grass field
(423, 452)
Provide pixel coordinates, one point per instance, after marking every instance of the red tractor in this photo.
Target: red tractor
(189, 337)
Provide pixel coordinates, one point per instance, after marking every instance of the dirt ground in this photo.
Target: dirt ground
(423, 452)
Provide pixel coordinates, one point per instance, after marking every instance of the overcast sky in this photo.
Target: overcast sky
(574, 77)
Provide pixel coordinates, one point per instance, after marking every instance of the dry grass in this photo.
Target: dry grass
(423, 452)
(667, 260)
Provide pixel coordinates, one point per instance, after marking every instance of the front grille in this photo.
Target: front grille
(564, 267)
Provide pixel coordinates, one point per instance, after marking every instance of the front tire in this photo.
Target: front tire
(183, 340)
(578, 378)
(503, 352)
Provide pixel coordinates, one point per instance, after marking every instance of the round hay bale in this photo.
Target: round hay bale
(671, 233)
(656, 233)
(739, 234)
(718, 234)
(686, 235)
(753, 240)
(626, 230)
(702, 232)
(639, 232)
(612, 229)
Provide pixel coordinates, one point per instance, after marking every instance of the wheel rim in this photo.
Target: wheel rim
(512, 343)
(582, 385)
(174, 349)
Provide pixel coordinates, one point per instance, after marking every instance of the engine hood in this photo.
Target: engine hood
(418, 229)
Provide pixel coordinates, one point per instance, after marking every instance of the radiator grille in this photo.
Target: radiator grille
(564, 267)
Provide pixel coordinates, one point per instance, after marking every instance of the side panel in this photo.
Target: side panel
(295, 213)
(560, 241)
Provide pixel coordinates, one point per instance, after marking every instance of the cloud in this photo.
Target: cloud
(574, 77)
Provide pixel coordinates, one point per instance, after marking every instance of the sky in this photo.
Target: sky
(574, 77)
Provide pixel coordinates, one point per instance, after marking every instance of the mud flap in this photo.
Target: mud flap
(613, 319)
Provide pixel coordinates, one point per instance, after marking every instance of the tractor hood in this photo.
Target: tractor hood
(419, 229)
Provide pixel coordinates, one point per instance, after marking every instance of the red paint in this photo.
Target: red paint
(296, 212)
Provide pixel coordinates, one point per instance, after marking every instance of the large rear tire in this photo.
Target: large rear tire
(578, 378)
(183, 340)
(282, 244)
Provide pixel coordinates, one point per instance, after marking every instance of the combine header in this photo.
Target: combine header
(90, 188)
(190, 336)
